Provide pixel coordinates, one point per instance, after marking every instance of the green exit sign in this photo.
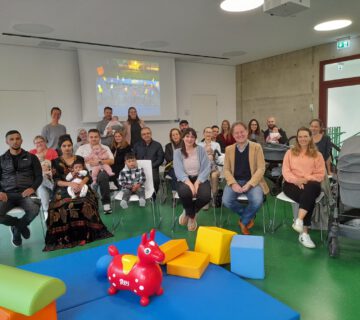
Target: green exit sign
(343, 44)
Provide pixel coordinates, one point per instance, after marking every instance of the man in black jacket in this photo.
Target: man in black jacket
(20, 176)
(271, 123)
(148, 149)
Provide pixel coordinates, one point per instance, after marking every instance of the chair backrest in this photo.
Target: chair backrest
(149, 183)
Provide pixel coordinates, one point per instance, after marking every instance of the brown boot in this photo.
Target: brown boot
(244, 229)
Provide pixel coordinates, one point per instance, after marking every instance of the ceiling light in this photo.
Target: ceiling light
(240, 5)
(332, 25)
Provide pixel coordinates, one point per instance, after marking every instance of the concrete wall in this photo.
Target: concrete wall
(285, 86)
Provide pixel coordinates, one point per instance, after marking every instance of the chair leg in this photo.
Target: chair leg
(228, 218)
(268, 214)
(158, 212)
(42, 221)
(173, 215)
(153, 211)
(273, 221)
(215, 220)
(263, 214)
(221, 215)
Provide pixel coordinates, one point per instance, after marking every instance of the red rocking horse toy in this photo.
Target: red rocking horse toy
(140, 274)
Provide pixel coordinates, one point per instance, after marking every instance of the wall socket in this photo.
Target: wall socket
(311, 107)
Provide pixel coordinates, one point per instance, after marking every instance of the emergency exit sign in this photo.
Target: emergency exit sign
(343, 44)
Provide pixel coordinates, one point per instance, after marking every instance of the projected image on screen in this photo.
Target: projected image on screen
(122, 83)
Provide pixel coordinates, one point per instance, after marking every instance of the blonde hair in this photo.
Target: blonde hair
(311, 150)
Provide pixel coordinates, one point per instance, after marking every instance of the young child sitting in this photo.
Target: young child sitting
(112, 126)
(273, 136)
(98, 154)
(47, 174)
(131, 180)
(77, 175)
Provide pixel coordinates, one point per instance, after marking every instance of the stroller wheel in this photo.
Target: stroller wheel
(333, 247)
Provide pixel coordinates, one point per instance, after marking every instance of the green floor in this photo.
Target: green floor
(317, 286)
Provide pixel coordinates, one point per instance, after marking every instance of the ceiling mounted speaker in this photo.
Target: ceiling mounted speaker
(285, 8)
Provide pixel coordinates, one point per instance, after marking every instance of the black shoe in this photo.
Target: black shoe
(25, 232)
(16, 236)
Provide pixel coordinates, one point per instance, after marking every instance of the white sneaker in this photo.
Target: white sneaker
(107, 208)
(298, 226)
(183, 219)
(112, 186)
(142, 202)
(306, 241)
(123, 204)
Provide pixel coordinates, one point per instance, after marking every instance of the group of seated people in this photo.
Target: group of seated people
(62, 176)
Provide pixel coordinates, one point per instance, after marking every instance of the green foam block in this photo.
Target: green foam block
(27, 292)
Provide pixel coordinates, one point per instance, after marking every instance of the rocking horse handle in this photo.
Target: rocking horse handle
(152, 234)
(113, 251)
(144, 236)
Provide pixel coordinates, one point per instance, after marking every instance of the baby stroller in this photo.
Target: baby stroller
(345, 218)
(274, 155)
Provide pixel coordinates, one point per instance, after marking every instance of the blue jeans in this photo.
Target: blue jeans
(44, 192)
(255, 197)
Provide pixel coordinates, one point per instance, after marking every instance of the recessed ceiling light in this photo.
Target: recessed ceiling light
(332, 25)
(33, 28)
(240, 5)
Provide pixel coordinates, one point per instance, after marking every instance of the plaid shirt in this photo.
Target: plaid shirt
(129, 177)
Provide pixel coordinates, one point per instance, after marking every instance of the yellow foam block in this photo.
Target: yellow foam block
(190, 265)
(216, 242)
(173, 248)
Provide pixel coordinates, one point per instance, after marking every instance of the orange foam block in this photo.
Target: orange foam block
(216, 242)
(47, 313)
(189, 265)
(173, 249)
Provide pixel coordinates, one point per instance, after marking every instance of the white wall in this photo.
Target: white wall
(205, 79)
(56, 74)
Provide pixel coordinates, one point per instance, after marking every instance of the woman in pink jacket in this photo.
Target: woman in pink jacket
(303, 171)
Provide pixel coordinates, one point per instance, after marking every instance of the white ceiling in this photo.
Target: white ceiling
(195, 27)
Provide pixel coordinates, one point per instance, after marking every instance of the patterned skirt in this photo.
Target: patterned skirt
(73, 222)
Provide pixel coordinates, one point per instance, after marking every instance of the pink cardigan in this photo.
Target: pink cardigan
(295, 167)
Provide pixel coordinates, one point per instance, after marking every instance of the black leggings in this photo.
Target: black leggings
(202, 198)
(304, 197)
